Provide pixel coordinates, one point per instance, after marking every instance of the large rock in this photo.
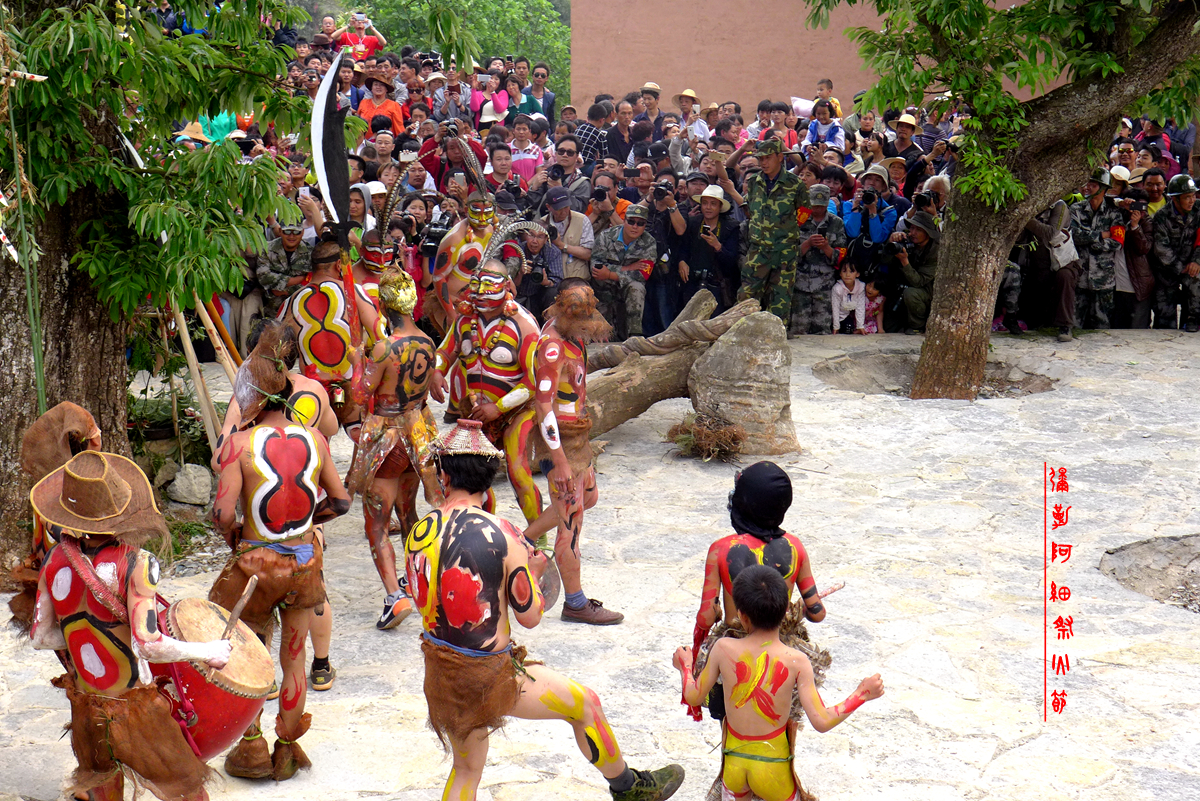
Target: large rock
(192, 485)
(745, 378)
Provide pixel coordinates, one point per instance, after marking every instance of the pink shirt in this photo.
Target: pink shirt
(527, 159)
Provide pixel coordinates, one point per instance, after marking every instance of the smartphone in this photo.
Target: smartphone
(1138, 205)
(458, 179)
(717, 156)
(305, 192)
(632, 173)
(360, 16)
(706, 229)
(509, 58)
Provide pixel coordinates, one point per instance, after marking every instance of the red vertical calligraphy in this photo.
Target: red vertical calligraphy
(1056, 591)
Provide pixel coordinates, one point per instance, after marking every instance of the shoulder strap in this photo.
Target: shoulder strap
(86, 571)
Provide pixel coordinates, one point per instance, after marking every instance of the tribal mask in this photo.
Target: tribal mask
(489, 288)
(376, 255)
(481, 212)
(576, 316)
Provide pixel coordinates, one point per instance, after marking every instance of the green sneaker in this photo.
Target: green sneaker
(654, 785)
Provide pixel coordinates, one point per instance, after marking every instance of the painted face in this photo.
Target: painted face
(489, 291)
(481, 213)
(375, 254)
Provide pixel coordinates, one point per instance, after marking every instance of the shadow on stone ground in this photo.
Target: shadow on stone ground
(930, 511)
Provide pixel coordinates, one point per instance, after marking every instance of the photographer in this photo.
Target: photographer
(571, 232)
(440, 160)
(666, 224)
(453, 101)
(708, 251)
(503, 177)
(869, 218)
(917, 260)
(564, 172)
(542, 271)
(606, 209)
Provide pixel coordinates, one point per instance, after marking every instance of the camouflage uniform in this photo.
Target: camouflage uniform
(274, 270)
(621, 302)
(774, 236)
(1097, 272)
(812, 312)
(1174, 248)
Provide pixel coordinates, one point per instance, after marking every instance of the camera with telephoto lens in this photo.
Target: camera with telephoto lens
(892, 249)
(434, 233)
(452, 128)
(663, 190)
(599, 194)
(513, 187)
(869, 196)
(408, 223)
(555, 172)
(923, 200)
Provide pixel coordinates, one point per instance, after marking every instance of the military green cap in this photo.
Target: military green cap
(771, 146)
(637, 212)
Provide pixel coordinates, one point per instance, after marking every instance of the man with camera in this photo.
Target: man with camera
(542, 271)
(915, 252)
(606, 209)
(571, 232)
(622, 259)
(708, 257)
(822, 246)
(564, 173)
(665, 223)
(453, 101)
(869, 218)
(502, 175)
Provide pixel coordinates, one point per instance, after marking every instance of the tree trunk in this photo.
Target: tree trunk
(972, 255)
(638, 383)
(84, 358)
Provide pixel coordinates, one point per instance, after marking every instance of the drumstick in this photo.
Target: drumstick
(235, 614)
(832, 589)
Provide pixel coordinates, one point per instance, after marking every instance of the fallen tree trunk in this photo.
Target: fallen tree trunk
(638, 383)
(691, 326)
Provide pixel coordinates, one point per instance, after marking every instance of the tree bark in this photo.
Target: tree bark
(636, 384)
(84, 358)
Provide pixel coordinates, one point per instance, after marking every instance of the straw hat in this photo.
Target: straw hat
(708, 110)
(194, 132)
(98, 493)
(718, 193)
(688, 93)
(466, 439)
(650, 86)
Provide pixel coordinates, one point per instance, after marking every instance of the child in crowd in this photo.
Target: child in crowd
(825, 92)
(758, 673)
(849, 302)
(875, 301)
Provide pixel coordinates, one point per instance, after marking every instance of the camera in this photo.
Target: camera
(922, 200)
(513, 187)
(869, 196)
(891, 249)
(555, 172)
(452, 128)
(537, 268)
(1138, 205)
(408, 223)
(599, 194)
(663, 190)
(434, 233)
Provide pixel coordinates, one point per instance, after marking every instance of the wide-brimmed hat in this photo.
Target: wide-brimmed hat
(887, 163)
(688, 93)
(98, 493)
(713, 191)
(905, 118)
(1136, 175)
(373, 79)
(709, 109)
(465, 439)
(1119, 173)
(924, 220)
(434, 76)
(194, 131)
(490, 114)
(652, 87)
(879, 171)
(46, 445)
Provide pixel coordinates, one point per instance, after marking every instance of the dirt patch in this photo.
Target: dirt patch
(1165, 568)
(892, 374)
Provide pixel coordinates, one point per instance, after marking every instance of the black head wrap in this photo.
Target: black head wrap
(761, 496)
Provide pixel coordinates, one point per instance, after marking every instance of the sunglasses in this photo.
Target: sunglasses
(567, 152)
(540, 75)
(1125, 150)
(636, 223)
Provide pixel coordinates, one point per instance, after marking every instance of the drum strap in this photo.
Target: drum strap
(86, 571)
(183, 711)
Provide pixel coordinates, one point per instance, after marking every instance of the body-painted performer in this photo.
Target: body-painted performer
(459, 256)
(96, 599)
(760, 675)
(393, 454)
(48, 444)
(273, 345)
(563, 445)
(467, 568)
(760, 499)
(276, 469)
(487, 358)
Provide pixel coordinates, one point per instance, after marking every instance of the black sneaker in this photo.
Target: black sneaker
(1064, 334)
(654, 785)
(322, 678)
(394, 612)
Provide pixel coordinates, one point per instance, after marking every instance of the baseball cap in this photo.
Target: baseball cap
(696, 176)
(506, 202)
(818, 196)
(659, 151)
(637, 211)
(557, 198)
(377, 187)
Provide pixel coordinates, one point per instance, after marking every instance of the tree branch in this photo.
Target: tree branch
(1072, 109)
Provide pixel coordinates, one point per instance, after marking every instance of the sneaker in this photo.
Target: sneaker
(322, 679)
(274, 692)
(593, 613)
(394, 611)
(653, 785)
(1064, 334)
(1011, 324)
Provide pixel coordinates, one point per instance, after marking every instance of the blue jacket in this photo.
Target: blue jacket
(881, 225)
(547, 104)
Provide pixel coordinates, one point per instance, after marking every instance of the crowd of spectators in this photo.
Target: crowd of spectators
(831, 220)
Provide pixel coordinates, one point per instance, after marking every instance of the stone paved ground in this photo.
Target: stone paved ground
(929, 511)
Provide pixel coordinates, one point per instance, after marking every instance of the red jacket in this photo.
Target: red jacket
(437, 167)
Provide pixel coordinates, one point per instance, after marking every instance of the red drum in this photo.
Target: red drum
(225, 705)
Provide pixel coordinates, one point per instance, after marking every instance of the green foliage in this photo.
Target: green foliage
(979, 50)
(481, 29)
(109, 86)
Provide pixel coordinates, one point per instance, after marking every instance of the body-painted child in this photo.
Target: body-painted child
(759, 673)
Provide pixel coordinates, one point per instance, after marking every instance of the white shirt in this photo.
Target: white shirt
(845, 301)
